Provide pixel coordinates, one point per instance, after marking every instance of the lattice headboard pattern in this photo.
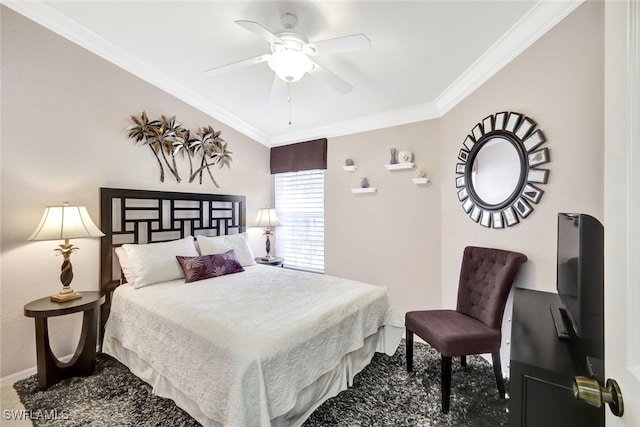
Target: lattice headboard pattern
(139, 216)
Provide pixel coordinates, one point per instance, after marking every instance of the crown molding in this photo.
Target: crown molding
(540, 19)
(60, 24)
(385, 119)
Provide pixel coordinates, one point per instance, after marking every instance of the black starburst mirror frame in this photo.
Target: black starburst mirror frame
(527, 140)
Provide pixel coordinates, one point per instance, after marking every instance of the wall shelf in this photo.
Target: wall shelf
(350, 168)
(400, 166)
(420, 181)
(364, 190)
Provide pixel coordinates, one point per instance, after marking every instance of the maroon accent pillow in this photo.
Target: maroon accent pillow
(207, 266)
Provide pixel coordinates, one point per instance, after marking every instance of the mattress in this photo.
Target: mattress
(262, 347)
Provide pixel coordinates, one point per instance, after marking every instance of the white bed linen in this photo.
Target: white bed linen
(240, 350)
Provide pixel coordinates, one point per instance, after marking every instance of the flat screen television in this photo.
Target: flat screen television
(580, 280)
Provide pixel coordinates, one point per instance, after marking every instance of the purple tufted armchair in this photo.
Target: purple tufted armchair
(474, 327)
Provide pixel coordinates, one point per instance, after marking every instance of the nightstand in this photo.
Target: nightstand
(83, 363)
(271, 261)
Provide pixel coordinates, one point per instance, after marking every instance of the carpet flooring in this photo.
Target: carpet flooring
(383, 394)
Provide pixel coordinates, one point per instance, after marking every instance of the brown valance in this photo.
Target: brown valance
(299, 157)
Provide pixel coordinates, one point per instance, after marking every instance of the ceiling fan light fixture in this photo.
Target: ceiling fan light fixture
(290, 65)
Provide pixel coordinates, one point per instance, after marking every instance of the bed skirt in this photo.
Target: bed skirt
(386, 340)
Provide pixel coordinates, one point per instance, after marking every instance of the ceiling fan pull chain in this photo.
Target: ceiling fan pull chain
(289, 101)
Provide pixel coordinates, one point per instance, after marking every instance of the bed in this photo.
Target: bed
(255, 345)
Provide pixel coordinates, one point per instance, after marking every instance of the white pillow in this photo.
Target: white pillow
(221, 244)
(125, 265)
(156, 262)
(240, 243)
(211, 245)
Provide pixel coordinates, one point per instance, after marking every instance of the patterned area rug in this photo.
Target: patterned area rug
(383, 394)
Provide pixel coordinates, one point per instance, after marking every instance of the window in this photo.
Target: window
(299, 201)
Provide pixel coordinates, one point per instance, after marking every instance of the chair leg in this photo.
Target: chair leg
(497, 370)
(463, 361)
(409, 345)
(446, 382)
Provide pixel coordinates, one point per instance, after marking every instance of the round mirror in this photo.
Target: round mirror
(496, 170)
(498, 176)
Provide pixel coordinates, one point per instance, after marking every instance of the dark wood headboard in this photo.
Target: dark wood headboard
(140, 216)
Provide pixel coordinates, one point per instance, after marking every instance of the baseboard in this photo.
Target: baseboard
(11, 379)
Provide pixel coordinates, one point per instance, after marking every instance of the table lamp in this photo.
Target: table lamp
(65, 222)
(267, 218)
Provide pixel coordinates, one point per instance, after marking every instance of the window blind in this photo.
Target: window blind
(299, 201)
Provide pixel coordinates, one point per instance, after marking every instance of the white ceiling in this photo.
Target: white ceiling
(425, 57)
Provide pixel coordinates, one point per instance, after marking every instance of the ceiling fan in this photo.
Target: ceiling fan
(291, 53)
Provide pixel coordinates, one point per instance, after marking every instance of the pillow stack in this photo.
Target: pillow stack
(148, 264)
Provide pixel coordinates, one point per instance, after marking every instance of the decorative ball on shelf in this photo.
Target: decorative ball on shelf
(349, 162)
(364, 183)
(405, 156)
(422, 174)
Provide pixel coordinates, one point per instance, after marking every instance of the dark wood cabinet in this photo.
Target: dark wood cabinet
(543, 367)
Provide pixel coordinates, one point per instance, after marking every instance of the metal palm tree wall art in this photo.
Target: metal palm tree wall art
(167, 139)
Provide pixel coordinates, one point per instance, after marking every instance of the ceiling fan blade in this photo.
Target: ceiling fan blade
(260, 31)
(331, 79)
(236, 65)
(353, 43)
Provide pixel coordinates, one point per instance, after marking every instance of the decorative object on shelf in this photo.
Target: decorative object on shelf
(349, 166)
(267, 218)
(498, 173)
(394, 159)
(167, 138)
(421, 178)
(63, 223)
(365, 187)
(405, 156)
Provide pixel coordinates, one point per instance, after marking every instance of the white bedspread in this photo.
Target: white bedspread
(242, 346)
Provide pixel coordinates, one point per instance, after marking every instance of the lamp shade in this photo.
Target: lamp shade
(65, 222)
(267, 217)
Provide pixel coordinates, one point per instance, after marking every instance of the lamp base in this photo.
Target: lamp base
(66, 296)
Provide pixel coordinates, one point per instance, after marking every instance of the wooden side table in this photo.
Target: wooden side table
(271, 261)
(83, 363)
